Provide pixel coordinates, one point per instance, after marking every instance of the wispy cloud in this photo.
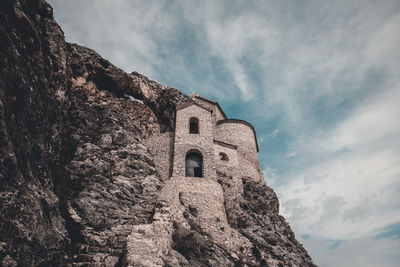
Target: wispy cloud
(365, 251)
(130, 33)
(352, 186)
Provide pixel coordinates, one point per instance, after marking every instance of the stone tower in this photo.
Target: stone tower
(194, 135)
(203, 129)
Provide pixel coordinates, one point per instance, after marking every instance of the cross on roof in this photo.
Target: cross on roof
(193, 94)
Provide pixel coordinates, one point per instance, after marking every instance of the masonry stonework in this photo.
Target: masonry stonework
(230, 152)
(161, 148)
(186, 142)
(217, 113)
(217, 136)
(241, 134)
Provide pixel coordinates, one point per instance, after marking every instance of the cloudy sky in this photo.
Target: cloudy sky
(320, 82)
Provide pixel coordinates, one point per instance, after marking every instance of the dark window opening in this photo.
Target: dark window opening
(193, 126)
(194, 165)
(223, 156)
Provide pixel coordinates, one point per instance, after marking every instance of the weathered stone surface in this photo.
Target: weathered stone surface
(79, 180)
(112, 181)
(255, 214)
(33, 81)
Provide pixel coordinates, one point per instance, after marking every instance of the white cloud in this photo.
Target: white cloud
(270, 176)
(366, 251)
(383, 47)
(273, 134)
(372, 122)
(232, 38)
(352, 188)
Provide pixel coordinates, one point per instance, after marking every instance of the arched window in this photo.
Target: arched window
(194, 125)
(194, 165)
(223, 156)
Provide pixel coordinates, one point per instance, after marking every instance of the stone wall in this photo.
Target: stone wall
(242, 135)
(229, 151)
(194, 185)
(218, 115)
(185, 141)
(203, 195)
(160, 147)
(211, 105)
(205, 200)
(250, 169)
(237, 133)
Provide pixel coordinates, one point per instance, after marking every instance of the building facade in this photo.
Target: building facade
(206, 141)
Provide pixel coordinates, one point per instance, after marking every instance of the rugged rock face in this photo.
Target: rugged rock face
(77, 183)
(33, 82)
(255, 214)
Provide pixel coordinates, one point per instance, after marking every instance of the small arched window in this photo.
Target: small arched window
(194, 125)
(194, 165)
(223, 156)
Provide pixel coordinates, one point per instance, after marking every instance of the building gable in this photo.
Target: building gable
(187, 105)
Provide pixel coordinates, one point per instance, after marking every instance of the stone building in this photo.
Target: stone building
(206, 141)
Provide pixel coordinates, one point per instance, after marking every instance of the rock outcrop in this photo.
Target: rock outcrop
(78, 186)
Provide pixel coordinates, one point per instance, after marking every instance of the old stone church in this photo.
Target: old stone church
(204, 141)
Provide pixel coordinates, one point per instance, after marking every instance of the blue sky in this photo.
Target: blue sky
(320, 82)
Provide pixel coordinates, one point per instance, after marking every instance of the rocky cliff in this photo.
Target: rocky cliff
(77, 181)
